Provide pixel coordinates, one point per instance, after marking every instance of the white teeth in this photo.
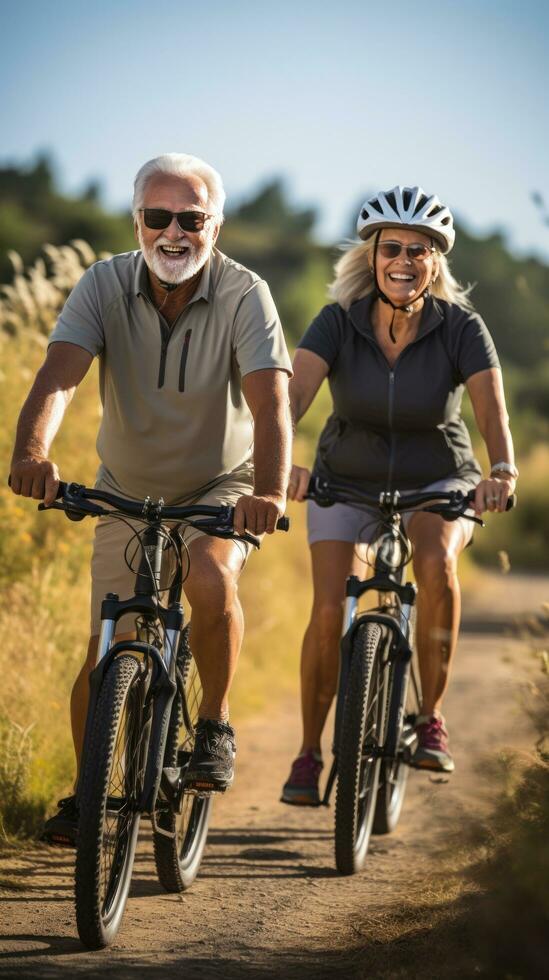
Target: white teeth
(396, 275)
(175, 250)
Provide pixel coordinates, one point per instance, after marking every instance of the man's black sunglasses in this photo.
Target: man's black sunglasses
(159, 218)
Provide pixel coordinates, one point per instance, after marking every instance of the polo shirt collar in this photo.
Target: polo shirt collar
(360, 316)
(141, 280)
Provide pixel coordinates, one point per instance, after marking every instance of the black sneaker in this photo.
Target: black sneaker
(61, 829)
(211, 766)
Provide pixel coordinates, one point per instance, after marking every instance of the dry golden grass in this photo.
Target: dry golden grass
(32, 301)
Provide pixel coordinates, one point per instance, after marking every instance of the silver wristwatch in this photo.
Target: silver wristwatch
(504, 467)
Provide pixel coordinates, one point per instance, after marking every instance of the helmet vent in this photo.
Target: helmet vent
(409, 207)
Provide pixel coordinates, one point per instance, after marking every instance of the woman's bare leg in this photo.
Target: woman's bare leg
(437, 545)
(332, 562)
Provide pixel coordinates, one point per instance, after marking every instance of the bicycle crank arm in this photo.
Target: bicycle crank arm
(408, 743)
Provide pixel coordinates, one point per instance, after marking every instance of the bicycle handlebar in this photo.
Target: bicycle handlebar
(76, 501)
(449, 504)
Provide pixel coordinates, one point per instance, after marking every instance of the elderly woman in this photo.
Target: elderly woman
(398, 345)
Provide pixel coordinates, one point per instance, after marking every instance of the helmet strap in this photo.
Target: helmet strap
(378, 292)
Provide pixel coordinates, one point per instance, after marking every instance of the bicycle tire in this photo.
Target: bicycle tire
(358, 765)
(393, 775)
(110, 783)
(178, 856)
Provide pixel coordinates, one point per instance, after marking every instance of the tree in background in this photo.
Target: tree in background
(267, 233)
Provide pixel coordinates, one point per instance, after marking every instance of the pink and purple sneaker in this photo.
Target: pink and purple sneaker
(301, 788)
(432, 750)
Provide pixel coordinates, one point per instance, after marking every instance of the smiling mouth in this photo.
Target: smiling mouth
(173, 251)
(401, 277)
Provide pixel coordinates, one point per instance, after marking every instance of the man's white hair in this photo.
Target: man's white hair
(180, 165)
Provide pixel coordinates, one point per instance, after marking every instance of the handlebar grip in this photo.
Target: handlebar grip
(283, 524)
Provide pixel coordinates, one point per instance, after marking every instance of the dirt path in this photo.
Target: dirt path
(268, 901)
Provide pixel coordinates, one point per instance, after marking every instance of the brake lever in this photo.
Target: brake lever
(449, 515)
(73, 511)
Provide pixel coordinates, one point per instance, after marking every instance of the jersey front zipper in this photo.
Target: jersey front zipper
(165, 337)
(392, 436)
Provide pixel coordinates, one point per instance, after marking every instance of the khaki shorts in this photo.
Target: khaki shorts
(109, 571)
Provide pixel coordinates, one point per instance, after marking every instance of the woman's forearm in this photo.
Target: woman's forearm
(499, 442)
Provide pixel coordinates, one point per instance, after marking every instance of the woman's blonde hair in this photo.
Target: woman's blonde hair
(354, 278)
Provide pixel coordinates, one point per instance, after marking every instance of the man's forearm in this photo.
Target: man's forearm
(296, 411)
(272, 451)
(53, 388)
(39, 420)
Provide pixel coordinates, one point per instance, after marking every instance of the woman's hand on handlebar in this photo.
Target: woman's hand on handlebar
(298, 483)
(492, 494)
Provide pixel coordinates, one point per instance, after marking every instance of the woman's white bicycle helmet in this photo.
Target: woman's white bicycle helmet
(408, 207)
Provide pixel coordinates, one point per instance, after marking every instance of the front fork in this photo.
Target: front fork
(398, 695)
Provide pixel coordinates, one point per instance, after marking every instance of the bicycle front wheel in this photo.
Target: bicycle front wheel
(358, 750)
(181, 837)
(393, 776)
(109, 821)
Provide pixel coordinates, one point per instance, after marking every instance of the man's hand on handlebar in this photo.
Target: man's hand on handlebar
(36, 477)
(257, 513)
(298, 483)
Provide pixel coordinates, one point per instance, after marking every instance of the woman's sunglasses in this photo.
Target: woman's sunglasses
(159, 218)
(416, 251)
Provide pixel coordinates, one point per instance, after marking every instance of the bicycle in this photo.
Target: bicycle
(378, 693)
(139, 736)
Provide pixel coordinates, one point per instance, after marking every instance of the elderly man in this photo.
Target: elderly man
(193, 376)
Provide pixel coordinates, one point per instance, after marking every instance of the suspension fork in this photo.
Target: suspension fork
(399, 690)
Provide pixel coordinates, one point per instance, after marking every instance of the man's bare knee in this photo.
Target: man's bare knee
(213, 589)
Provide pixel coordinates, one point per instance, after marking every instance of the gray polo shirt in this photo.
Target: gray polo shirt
(174, 416)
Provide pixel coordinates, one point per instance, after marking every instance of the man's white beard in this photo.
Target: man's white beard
(175, 270)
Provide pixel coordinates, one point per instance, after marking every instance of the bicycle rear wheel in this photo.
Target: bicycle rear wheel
(178, 855)
(109, 821)
(358, 750)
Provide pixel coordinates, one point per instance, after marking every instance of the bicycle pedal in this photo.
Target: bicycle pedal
(197, 791)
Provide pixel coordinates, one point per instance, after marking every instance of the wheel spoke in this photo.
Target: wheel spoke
(178, 858)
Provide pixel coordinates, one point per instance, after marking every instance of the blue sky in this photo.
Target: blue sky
(339, 98)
